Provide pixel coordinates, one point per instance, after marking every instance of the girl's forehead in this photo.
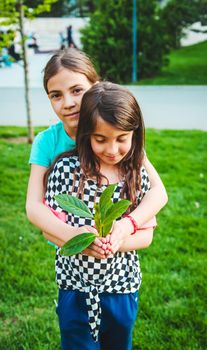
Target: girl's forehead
(107, 129)
(65, 77)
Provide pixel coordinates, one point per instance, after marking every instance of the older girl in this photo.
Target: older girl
(67, 76)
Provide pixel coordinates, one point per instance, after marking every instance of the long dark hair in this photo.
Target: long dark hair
(118, 107)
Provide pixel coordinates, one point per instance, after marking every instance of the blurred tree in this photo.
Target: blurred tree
(91, 5)
(13, 13)
(108, 39)
(64, 8)
(179, 14)
(59, 8)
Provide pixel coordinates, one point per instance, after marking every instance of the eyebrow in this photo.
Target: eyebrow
(50, 92)
(106, 136)
(71, 88)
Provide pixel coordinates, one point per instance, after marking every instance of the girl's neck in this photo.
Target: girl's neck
(71, 133)
(111, 173)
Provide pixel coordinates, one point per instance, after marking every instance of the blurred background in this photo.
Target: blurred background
(142, 44)
(158, 49)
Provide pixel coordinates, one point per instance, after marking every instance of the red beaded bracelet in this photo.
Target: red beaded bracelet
(133, 223)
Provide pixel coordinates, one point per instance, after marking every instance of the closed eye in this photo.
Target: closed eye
(104, 140)
(100, 141)
(121, 140)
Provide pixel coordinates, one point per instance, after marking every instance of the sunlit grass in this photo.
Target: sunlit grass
(187, 66)
(172, 297)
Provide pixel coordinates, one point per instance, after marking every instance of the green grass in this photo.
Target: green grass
(187, 66)
(16, 131)
(172, 297)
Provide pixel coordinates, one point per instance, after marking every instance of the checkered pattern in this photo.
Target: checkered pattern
(118, 274)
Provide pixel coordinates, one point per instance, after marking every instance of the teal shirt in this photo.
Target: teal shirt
(49, 143)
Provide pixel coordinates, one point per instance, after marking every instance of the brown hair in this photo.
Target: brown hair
(72, 59)
(118, 107)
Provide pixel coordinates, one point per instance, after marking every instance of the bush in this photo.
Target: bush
(108, 39)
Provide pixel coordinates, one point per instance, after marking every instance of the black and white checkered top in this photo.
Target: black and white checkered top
(118, 274)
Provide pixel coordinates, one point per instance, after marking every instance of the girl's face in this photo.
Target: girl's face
(109, 144)
(65, 91)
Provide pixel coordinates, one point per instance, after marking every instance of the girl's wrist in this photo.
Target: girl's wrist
(133, 223)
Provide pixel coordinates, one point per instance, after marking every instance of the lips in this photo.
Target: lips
(111, 157)
(71, 115)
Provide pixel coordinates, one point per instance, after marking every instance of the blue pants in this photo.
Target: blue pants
(118, 316)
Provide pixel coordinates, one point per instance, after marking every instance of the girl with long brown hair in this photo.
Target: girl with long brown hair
(98, 298)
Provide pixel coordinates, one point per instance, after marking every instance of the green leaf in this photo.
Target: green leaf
(105, 210)
(116, 210)
(106, 195)
(107, 228)
(73, 205)
(97, 217)
(105, 200)
(77, 244)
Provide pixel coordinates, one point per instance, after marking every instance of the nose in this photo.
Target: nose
(112, 148)
(68, 101)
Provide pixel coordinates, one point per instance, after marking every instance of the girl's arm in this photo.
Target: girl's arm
(58, 242)
(153, 201)
(95, 249)
(140, 240)
(41, 216)
(150, 205)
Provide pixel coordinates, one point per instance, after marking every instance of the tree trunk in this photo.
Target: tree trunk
(26, 74)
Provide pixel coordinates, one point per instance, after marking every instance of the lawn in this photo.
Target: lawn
(172, 297)
(187, 66)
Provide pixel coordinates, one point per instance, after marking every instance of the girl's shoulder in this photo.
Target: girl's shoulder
(51, 132)
(71, 162)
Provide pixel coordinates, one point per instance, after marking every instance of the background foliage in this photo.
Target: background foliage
(108, 37)
(179, 14)
(187, 66)
(10, 15)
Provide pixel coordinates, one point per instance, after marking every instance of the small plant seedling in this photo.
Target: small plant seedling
(105, 213)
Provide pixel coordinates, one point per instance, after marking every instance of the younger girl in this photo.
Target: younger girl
(67, 76)
(98, 302)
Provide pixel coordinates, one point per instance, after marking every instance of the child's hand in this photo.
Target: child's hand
(86, 228)
(120, 231)
(97, 249)
(115, 244)
(106, 245)
(122, 228)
